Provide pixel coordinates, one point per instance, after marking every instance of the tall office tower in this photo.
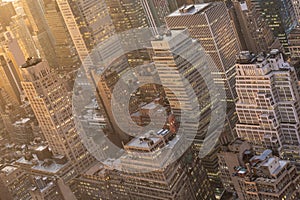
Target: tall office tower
(39, 30)
(183, 179)
(74, 30)
(294, 43)
(126, 15)
(10, 81)
(20, 31)
(257, 177)
(14, 51)
(65, 51)
(93, 19)
(236, 153)
(256, 36)
(129, 15)
(210, 24)
(51, 104)
(155, 12)
(268, 105)
(170, 69)
(7, 11)
(280, 17)
(105, 86)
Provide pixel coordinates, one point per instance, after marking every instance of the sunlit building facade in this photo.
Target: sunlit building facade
(52, 107)
(268, 105)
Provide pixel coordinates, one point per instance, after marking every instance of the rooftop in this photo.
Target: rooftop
(246, 57)
(97, 169)
(148, 140)
(169, 35)
(22, 121)
(31, 62)
(190, 9)
(48, 166)
(8, 170)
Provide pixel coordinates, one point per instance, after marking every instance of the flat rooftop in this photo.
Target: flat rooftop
(8, 170)
(190, 9)
(149, 139)
(36, 164)
(22, 121)
(97, 169)
(171, 36)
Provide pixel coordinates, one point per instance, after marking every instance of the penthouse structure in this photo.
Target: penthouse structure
(257, 177)
(269, 178)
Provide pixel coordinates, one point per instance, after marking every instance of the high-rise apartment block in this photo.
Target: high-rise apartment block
(52, 107)
(268, 105)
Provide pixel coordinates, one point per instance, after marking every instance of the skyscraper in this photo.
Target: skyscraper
(268, 105)
(10, 79)
(8, 11)
(172, 71)
(65, 51)
(93, 20)
(296, 6)
(39, 30)
(210, 24)
(256, 36)
(51, 104)
(73, 28)
(155, 12)
(280, 16)
(21, 33)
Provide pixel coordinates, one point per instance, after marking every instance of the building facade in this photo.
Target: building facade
(256, 36)
(268, 108)
(52, 107)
